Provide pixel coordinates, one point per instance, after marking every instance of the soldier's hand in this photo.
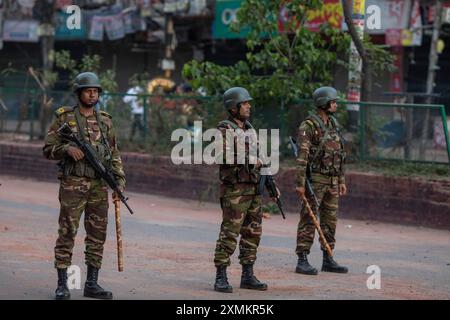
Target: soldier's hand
(278, 194)
(300, 191)
(75, 153)
(115, 196)
(342, 189)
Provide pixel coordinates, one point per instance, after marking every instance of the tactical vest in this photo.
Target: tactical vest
(327, 154)
(79, 125)
(238, 173)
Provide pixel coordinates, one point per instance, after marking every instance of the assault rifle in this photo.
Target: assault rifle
(91, 156)
(267, 182)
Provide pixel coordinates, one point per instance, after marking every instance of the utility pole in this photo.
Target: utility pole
(167, 64)
(355, 70)
(46, 13)
(432, 67)
(46, 30)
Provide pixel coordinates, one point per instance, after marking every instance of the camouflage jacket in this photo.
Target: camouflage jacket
(322, 147)
(56, 149)
(237, 179)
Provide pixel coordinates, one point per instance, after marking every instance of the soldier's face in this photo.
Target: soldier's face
(244, 111)
(89, 97)
(333, 106)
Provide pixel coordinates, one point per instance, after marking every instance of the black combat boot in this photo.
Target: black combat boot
(221, 284)
(91, 287)
(303, 265)
(329, 265)
(249, 281)
(62, 291)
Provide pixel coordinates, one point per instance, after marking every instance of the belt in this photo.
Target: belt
(323, 178)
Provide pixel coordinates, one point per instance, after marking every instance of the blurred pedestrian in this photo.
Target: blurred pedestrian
(137, 110)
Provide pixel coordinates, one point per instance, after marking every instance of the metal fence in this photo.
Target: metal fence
(387, 131)
(404, 132)
(407, 132)
(26, 115)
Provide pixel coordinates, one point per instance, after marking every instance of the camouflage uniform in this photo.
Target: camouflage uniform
(321, 146)
(81, 189)
(241, 206)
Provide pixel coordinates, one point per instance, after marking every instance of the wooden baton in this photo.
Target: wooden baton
(322, 239)
(119, 236)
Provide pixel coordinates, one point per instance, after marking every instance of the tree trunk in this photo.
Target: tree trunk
(47, 43)
(432, 64)
(365, 76)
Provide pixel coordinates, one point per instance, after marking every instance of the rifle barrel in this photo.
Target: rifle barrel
(280, 206)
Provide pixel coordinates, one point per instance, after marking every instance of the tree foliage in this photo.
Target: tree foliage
(92, 63)
(278, 65)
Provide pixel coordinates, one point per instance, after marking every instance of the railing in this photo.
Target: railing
(407, 132)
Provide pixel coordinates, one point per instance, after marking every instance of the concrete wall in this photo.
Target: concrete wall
(372, 197)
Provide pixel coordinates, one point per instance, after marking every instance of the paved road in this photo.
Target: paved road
(168, 246)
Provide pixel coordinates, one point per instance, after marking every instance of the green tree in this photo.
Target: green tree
(281, 68)
(279, 65)
(92, 63)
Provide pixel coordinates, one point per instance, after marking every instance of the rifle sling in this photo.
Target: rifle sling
(82, 128)
(80, 125)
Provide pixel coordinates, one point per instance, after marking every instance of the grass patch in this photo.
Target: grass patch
(404, 169)
(393, 168)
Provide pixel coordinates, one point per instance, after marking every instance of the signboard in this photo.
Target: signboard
(395, 14)
(416, 32)
(225, 14)
(394, 37)
(61, 4)
(62, 32)
(330, 12)
(412, 35)
(21, 30)
(113, 25)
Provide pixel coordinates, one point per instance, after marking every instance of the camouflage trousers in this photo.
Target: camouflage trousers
(241, 215)
(78, 194)
(327, 192)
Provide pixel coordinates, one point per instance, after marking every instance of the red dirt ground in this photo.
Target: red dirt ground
(169, 244)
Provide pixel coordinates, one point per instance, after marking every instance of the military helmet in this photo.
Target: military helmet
(323, 95)
(233, 96)
(86, 80)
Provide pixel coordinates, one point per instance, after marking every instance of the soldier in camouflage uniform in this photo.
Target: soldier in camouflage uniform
(81, 189)
(321, 159)
(239, 199)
